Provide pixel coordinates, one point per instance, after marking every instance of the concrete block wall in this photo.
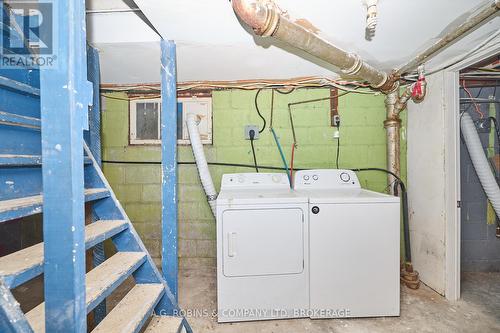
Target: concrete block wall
(480, 250)
(362, 139)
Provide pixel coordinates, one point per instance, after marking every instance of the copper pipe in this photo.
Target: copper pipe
(266, 20)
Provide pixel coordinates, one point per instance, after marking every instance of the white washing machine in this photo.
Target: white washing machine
(354, 246)
(262, 249)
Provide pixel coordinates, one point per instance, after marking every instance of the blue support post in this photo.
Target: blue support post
(169, 164)
(65, 96)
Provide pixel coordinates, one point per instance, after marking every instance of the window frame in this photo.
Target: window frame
(133, 141)
(132, 133)
(209, 101)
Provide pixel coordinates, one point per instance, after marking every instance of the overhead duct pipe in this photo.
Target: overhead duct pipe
(482, 15)
(192, 123)
(266, 20)
(480, 161)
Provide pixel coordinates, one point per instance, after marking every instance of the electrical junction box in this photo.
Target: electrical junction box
(249, 128)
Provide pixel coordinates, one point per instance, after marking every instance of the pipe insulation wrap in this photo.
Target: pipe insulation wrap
(480, 162)
(201, 161)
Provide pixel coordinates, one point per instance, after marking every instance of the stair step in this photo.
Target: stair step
(99, 284)
(7, 160)
(13, 119)
(24, 265)
(165, 324)
(19, 86)
(99, 231)
(20, 160)
(20, 207)
(133, 310)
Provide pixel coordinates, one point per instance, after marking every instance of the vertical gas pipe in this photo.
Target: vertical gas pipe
(393, 126)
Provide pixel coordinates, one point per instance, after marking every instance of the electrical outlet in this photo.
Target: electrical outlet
(336, 120)
(483, 125)
(249, 128)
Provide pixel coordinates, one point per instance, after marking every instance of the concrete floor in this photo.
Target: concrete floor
(422, 310)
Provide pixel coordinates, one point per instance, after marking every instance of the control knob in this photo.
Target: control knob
(344, 176)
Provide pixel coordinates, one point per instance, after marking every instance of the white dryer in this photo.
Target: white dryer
(354, 246)
(262, 249)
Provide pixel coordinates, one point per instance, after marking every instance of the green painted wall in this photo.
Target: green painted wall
(362, 141)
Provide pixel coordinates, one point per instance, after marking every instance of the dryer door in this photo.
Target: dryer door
(263, 242)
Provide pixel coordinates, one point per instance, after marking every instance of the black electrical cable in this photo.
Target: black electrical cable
(404, 203)
(237, 165)
(264, 123)
(406, 226)
(249, 166)
(285, 92)
(240, 165)
(338, 152)
(400, 181)
(254, 157)
(252, 138)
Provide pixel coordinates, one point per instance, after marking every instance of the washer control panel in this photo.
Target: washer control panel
(326, 179)
(255, 180)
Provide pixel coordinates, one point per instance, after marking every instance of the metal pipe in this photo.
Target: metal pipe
(480, 17)
(392, 126)
(408, 93)
(266, 20)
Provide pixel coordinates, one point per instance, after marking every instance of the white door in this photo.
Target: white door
(262, 242)
(354, 260)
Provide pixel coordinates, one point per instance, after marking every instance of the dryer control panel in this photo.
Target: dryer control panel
(255, 181)
(326, 179)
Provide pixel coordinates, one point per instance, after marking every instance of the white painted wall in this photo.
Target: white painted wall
(213, 45)
(426, 184)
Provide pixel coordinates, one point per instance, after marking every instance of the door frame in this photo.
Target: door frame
(451, 99)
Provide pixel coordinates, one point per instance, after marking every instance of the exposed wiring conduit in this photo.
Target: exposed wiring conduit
(480, 161)
(300, 82)
(192, 123)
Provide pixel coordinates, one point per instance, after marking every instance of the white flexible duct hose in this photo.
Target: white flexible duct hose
(480, 162)
(201, 162)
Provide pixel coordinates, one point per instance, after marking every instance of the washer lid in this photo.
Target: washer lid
(349, 196)
(260, 196)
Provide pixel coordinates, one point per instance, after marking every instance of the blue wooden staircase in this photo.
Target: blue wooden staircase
(46, 168)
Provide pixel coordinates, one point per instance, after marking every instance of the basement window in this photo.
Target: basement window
(145, 121)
